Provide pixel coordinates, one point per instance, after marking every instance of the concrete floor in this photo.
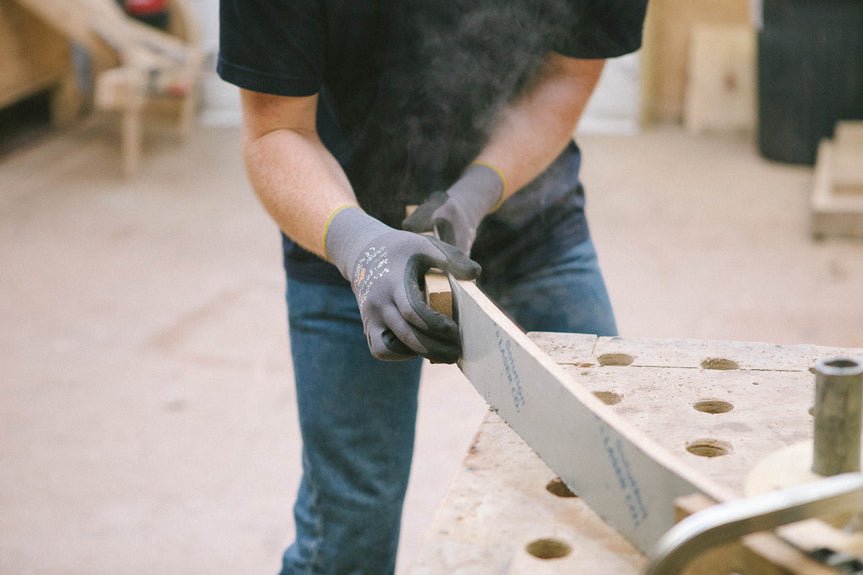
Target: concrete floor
(147, 422)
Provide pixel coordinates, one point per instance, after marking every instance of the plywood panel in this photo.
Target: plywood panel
(667, 34)
(33, 57)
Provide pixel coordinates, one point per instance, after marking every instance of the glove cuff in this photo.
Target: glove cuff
(503, 181)
(479, 190)
(348, 231)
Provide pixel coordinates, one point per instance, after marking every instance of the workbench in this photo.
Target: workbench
(726, 409)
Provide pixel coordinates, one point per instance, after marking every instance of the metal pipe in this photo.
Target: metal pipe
(838, 405)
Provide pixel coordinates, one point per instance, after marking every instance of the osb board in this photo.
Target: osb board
(666, 45)
(33, 57)
(498, 503)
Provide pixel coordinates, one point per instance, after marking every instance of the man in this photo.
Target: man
(355, 110)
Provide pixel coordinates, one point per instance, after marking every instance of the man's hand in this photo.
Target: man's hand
(456, 213)
(386, 268)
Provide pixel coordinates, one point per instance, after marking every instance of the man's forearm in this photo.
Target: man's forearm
(298, 181)
(538, 125)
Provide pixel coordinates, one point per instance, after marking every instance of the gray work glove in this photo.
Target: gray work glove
(456, 213)
(386, 268)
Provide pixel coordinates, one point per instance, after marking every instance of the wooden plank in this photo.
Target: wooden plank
(64, 17)
(849, 133)
(721, 85)
(136, 44)
(667, 33)
(32, 56)
(847, 164)
(837, 214)
(438, 293)
(155, 65)
(67, 19)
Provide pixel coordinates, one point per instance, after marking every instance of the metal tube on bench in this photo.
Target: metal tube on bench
(838, 404)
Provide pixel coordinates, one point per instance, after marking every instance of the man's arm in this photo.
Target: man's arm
(303, 188)
(296, 178)
(538, 125)
(531, 132)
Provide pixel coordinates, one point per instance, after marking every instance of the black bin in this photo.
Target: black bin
(810, 74)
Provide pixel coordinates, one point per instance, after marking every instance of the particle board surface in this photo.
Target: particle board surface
(499, 505)
(720, 406)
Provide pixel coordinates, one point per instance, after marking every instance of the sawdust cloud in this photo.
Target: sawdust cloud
(461, 63)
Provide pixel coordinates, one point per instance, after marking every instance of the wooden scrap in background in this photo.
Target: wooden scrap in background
(837, 194)
(721, 83)
(149, 64)
(34, 58)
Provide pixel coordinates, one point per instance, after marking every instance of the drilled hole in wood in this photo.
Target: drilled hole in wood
(615, 359)
(719, 363)
(558, 487)
(608, 397)
(548, 549)
(713, 406)
(708, 448)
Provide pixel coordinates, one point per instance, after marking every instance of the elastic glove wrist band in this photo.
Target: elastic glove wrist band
(502, 179)
(327, 227)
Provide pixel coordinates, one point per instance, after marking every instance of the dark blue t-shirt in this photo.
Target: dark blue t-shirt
(409, 90)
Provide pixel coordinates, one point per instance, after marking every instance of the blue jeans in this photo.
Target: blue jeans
(358, 414)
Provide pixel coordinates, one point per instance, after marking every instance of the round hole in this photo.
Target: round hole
(719, 363)
(608, 397)
(615, 359)
(548, 549)
(713, 406)
(708, 448)
(558, 487)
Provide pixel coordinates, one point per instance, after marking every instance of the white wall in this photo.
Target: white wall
(221, 101)
(615, 106)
